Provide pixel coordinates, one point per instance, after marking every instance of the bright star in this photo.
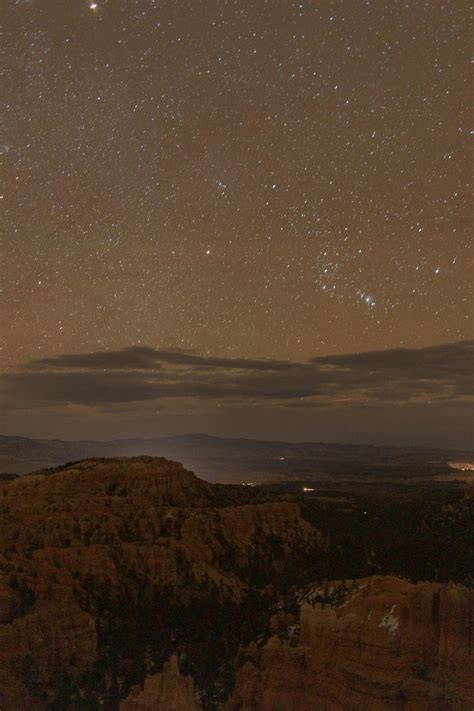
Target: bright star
(366, 298)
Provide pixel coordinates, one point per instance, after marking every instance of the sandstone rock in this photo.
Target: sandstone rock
(87, 539)
(387, 644)
(50, 639)
(168, 691)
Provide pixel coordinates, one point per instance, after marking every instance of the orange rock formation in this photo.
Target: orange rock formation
(167, 691)
(76, 539)
(386, 644)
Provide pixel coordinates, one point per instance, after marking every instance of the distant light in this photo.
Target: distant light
(462, 466)
(282, 459)
(307, 488)
(93, 6)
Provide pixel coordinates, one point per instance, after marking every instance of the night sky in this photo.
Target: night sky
(214, 210)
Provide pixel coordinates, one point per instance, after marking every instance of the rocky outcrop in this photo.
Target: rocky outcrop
(169, 691)
(380, 643)
(94, 550)
(161, 481)
(52, 640)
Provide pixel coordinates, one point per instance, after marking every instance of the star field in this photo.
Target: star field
(265, 179)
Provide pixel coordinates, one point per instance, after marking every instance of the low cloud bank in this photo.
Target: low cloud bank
(433, 375)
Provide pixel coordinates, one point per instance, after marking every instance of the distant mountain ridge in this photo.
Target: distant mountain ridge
(238, 459)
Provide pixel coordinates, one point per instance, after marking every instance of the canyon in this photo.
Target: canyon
(130, 584)
(105, 563)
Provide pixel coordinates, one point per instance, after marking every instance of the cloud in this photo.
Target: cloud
(146, 358)
(433, 361)
(436, 374)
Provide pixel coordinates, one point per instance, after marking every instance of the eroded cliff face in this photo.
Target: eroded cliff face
(380, 643)
(97, 561)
